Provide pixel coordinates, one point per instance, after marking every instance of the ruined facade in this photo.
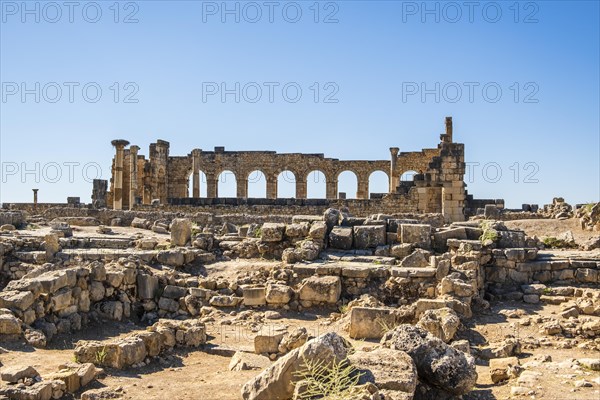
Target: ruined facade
(437, 187)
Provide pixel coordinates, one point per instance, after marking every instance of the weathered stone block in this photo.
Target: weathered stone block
(341, 238)
(369, 236)
(370, 323)
(254, 296)
(272, 232)
(278, 294)
(147, 286)
(326, 289)
(417, 234)
(181, 231)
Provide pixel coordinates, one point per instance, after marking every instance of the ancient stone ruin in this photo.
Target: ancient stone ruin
(424, 293)
(437, 188)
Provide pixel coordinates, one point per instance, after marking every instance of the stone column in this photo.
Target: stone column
(363, 188)
(331, 186)
(301, 188)
(242, 187)
(35, 199)
(211, 186)
(118, 174)
(271, 186)
(196, 173)
(394, 175)
(133, 175)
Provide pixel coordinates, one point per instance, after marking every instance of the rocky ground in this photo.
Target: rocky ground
(545, 346)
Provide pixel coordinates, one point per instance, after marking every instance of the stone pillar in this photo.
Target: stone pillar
(118, 174)
(242, 187)
(212, 186)
(301, 188)
(133, 175)
(331, 186)
(271, 186)
(394, 175)
(196, 173)
(35, 199)
(363, 188)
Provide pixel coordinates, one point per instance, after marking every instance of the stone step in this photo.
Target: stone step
(345, 269)
(425, 272)
(96, 242)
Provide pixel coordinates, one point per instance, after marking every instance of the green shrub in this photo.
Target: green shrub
(335, 380)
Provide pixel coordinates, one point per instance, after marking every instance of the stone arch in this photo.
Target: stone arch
(379, 182)
(256, 182)
(202, 181)
(316, 184)
(348, 183)
(227, 184)
(408, 176)
(286, 184)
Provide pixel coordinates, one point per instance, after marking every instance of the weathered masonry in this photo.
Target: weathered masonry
(437, 187)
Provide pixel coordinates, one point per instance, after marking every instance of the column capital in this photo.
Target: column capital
(119, 143)
(394, 151)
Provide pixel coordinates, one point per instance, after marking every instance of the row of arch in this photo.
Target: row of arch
(316, 184)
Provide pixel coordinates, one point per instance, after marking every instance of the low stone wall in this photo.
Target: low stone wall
(136, 348)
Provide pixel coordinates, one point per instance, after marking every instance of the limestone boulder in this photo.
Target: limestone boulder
(147, 286)
(173, 257)
(331, 217)
(272, 232)
(369, 236)
(278, 294)
(9, 324)
(401, 250)
(341, 238)
(441, 323)
(277, 381)
(12, 374)
(141, 223)
(321, 289)
(297, 230)
(242, 361)
(418, 259)
(388, 369)
(437, 363)
(318, 230)
(118, 354)
(16, 300)
(502, 369)
(181, 231)
(370, 323)
(417, 234)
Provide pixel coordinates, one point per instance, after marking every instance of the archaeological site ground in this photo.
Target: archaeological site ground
(152, 291)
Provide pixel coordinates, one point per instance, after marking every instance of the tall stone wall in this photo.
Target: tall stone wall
(438, 186)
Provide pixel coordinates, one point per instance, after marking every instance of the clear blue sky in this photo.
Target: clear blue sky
(375, 61)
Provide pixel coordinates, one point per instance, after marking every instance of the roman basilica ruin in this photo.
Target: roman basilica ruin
(437, 187)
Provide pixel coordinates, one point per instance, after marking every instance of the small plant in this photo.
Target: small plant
(101, 355)
(196, 229)
(384, 325)
(555, 243)
(489, 234)
(343, 308)
(74, 358)
(547, 291)
(336, 380)
(257, 232)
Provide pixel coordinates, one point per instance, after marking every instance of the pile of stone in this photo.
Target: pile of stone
(24, 382)
(589, 216)
(409, 360)
(139, 348)
(559, 209)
